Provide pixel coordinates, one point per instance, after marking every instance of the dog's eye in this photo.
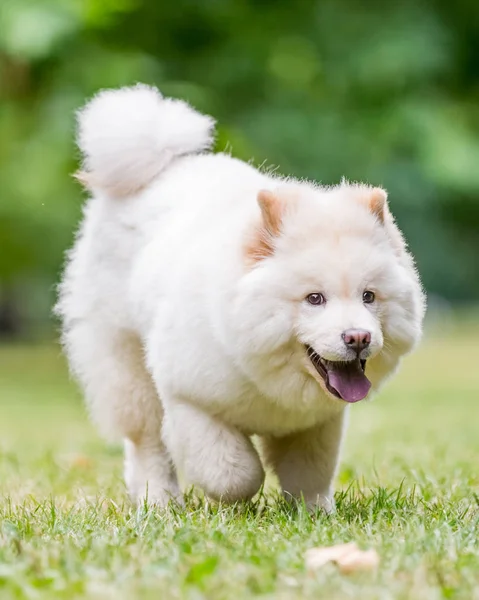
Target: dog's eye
(368, 297)
(316, 299)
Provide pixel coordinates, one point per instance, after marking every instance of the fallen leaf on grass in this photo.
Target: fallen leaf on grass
(361, 560)
(348, 557)
(80, 461)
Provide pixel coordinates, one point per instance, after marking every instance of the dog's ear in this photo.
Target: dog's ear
(272, 209)
(377, 202)
(83, 178)
(260, 242)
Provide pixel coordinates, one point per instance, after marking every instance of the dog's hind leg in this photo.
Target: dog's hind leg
(122, 400)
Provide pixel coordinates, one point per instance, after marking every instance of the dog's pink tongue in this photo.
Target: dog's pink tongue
(349, 381)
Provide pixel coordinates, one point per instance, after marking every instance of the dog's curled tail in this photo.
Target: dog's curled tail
(128, 136)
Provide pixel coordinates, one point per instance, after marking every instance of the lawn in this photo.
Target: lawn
(407, 487)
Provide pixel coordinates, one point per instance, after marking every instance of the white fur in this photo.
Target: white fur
(183, 347)
(129, 136)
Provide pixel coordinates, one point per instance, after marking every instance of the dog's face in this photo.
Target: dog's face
(331, 286)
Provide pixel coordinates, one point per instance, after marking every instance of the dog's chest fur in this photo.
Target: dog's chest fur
(263, 416)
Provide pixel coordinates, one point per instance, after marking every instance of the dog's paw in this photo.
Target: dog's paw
(160, 497)
(321, 502)
(314, 502)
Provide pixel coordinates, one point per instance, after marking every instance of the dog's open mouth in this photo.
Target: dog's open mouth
(343, 379)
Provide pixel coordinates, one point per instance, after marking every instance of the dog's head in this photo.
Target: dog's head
(330, 287)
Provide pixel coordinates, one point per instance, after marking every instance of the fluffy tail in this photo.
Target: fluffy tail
(128, 136)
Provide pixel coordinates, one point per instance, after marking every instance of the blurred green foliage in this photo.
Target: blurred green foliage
(387, 93)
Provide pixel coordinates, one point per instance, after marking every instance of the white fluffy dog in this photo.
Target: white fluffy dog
(205, 302)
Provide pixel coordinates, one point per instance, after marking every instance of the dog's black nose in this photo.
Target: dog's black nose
(357, 339)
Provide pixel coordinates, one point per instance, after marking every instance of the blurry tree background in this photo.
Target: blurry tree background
(375, 91)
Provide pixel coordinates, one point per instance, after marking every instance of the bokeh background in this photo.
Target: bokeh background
(382, 92)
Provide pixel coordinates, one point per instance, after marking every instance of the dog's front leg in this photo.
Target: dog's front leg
(306, 461)
(211, 454)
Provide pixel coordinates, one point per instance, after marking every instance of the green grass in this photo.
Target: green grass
(407, 487)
